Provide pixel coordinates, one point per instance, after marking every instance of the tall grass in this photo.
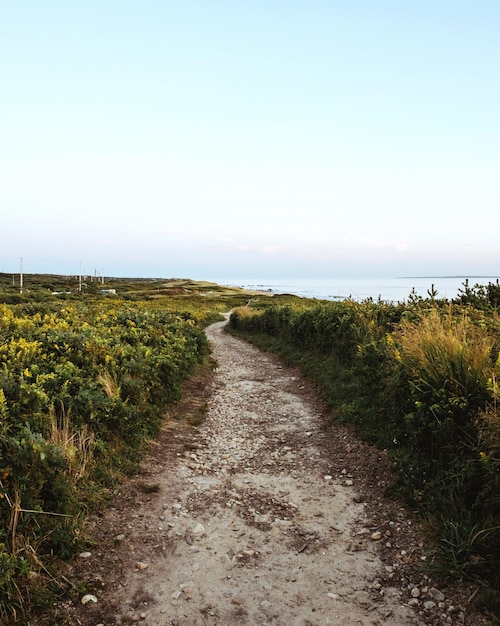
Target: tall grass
(446, 361)
(76, 445)
(446, 352)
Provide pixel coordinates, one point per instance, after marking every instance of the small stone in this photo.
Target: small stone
(429, 604)
(376, 536)
(141, 566)
(85, 555)
(89, 598)
(328, 477)
(198, 530)
(333, 596)
(435, 594)
(119, 537)
(415, 592)
(414, 602)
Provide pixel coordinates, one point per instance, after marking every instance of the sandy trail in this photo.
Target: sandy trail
(247, 525)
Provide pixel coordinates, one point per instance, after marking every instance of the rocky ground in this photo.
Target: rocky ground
(264, 514)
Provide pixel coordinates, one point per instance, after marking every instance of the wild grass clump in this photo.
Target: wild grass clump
(242, 316)
(76, 445)
(442, 363)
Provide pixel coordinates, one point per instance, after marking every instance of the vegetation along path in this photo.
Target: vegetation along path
(263, 516)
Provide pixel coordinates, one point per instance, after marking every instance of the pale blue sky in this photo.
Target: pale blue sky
(232, 139)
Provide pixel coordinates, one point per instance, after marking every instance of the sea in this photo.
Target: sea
(359, 289)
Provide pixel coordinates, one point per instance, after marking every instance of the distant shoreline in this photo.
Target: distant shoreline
(452, 277)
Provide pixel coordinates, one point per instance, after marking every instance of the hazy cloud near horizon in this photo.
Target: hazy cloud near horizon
(291, 139)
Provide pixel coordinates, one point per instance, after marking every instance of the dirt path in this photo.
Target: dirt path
(248, 521)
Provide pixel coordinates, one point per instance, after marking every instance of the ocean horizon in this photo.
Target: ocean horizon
(387, 289)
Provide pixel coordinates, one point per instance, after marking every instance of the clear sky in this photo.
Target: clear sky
(232, 138)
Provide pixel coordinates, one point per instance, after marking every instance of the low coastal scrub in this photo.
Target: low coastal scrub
(421, 381)
(84, 381)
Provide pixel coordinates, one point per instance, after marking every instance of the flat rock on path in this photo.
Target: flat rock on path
(246, 526)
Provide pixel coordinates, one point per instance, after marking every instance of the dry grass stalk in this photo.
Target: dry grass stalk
(446, 350)
(76, 446)
(109, 384)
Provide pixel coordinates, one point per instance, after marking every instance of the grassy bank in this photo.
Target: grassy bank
(421, 381)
